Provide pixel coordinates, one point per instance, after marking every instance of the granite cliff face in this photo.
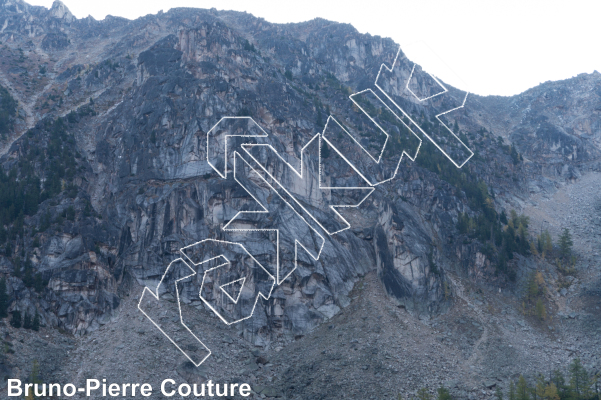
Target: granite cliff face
(139, 120)
(116, 113)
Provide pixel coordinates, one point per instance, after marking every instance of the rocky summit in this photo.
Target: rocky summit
(391, 249)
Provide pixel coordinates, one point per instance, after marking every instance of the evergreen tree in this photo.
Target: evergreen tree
(28, 278)
(423, 394)
(70, 213)
(35, 325)
(579, 381)
(325, 149)
(45, 222)
(533, 289)
(3, 299)
(503, 218)
(319, 118)
(597, 385)
(512, 394)
(38, 283)
(550, 392)
(565, 244)
(515, 157)
(16, 319)
(541, 312)
(539, 389)
(559, 381)
(544, 243)
(443, 394)
(27, 321)
(522, 390)
(498, 394)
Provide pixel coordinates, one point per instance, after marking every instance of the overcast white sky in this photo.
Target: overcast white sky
(495, 47)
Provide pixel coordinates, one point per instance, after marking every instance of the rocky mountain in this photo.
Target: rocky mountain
(106, 128)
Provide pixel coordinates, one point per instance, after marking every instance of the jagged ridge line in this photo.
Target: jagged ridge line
(419, 127)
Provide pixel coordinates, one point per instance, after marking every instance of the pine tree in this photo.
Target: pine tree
(16, 319)
(523, 392)
(38, 283)
(319, 118)
(443, 394)
(3, 299)
(27, 321)
(512, 394)
(541, 312)
(17, 272)
(559, 381)
(550, 392)
(325, 149)
(423, 394)
(515, 156)
(565, 244)
(579, 380)
(533, 290)
(545, 243)
(28, 278)
(498, 394)
(539, 388)
(503, 218)
(597, 385)
(35, 325)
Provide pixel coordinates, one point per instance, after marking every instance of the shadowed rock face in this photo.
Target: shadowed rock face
(137, 99)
